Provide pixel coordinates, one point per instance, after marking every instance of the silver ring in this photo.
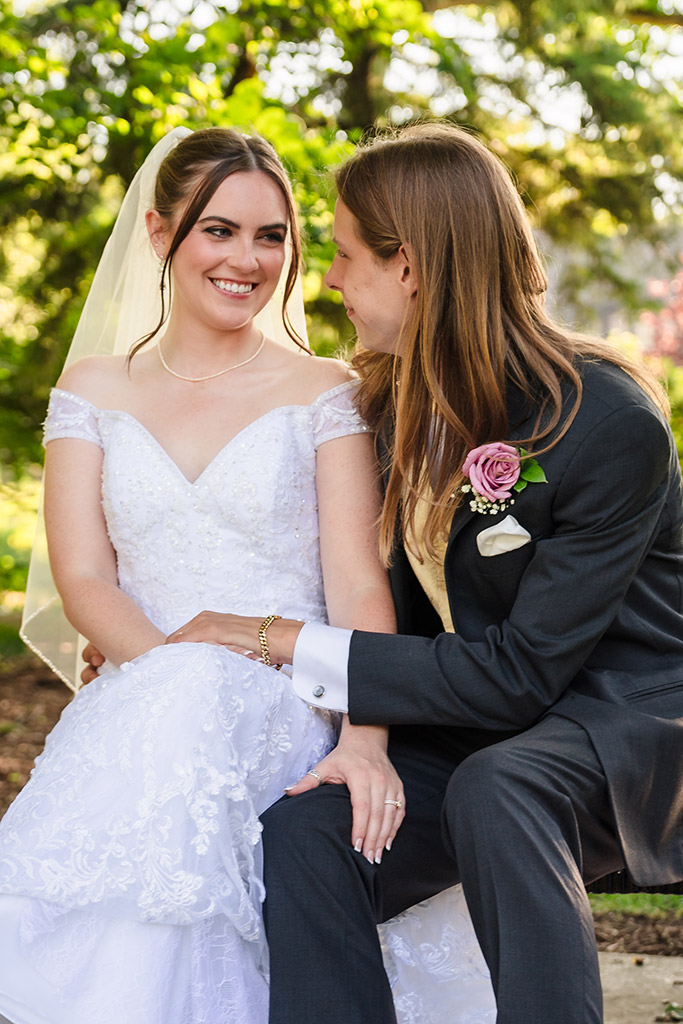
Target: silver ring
(315, 774)
(394, 803)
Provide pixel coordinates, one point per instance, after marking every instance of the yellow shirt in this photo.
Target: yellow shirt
(430, 571)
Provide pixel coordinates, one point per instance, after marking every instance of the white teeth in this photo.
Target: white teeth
(230, 286)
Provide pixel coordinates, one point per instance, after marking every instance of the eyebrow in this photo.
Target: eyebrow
(233, 224)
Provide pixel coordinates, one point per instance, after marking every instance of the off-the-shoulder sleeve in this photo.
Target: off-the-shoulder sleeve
(71, 416)
(335, 414)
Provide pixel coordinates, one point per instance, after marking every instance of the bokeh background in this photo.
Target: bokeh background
(583, 100)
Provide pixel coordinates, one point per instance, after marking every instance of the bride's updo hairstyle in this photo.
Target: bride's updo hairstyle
(188, 178)
(478, 323)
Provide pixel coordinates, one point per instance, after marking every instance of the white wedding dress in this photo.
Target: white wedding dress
(130, 873)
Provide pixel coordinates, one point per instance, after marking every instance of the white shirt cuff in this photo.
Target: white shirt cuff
(321, 658)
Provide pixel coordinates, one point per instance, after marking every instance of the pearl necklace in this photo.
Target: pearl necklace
(210, 376)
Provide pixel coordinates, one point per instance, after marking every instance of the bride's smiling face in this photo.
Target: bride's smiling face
(228, 266)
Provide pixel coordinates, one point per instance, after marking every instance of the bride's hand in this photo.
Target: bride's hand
(239, 633)
(231, 631)
(361, 762)
(94, 660)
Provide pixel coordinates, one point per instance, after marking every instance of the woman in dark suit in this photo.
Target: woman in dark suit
(533, 528)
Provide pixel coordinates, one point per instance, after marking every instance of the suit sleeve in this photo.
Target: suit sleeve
(606, 513)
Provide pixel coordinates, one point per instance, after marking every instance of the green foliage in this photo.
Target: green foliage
(18, 506)
(11, 645)
(648, 904)
(674, 380)
(580, 99)
(531, 472)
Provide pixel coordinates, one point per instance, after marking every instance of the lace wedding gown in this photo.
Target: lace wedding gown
(130, 872)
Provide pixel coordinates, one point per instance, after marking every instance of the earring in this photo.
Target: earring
(161, 261)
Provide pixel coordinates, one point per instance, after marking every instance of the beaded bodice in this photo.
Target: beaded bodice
(243, 537)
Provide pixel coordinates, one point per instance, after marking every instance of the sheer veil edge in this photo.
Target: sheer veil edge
(123, 305)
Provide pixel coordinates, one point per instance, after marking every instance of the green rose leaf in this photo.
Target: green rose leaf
(519, 486)
(532, 472)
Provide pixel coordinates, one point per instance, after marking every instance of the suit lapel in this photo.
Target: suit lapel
(520, 419)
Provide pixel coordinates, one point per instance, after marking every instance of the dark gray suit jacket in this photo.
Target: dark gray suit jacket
(585, 621)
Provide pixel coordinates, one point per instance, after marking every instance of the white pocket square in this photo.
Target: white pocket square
(501, 537)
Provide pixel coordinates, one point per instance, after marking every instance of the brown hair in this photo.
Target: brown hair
(190, 175)
(477, 325)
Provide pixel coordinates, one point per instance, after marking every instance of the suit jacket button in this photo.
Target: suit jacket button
(318, 691)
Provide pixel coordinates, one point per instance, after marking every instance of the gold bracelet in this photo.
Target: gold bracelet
(263, 639)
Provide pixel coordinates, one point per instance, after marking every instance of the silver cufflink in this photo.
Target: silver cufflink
(318, 691)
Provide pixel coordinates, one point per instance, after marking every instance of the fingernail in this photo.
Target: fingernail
(387, 845)
(378, 857)
(358, 845)
(370, 857)
(287, 788)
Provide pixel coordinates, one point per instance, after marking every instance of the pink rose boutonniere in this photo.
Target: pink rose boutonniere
(494, 471)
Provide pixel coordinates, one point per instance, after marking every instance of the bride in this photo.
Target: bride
(217, 468)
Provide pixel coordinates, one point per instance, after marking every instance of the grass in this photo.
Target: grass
(645, 903)
(11, 644)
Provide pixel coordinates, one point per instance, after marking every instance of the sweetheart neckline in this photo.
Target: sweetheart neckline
(193, 483)
(214, 459)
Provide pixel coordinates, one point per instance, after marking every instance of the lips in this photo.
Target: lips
(234, 287)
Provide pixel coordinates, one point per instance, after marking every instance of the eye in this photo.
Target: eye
(218, 231)
(274, 237)
(341, 254)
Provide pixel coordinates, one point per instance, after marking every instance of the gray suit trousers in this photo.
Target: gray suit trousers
(523, 823)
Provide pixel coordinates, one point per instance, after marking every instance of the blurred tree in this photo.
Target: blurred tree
(666, 324)
(666, 342)
(582, 99)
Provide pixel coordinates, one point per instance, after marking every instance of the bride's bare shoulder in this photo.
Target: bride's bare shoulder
(95, 378)
(318, 374)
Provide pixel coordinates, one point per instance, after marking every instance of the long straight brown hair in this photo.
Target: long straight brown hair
(478, 323)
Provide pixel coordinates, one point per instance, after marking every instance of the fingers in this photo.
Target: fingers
(212, 628)
(376, 818)
(92, 656)
(88, 674)
(95, 659)
(251, 655)
(180, 636)
(377, 799)
(391, 822)
(311, 780)
(202, 629)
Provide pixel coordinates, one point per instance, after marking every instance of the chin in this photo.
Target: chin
(378, 345)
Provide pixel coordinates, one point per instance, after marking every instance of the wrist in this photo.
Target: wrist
(375, 735)
(282, 637)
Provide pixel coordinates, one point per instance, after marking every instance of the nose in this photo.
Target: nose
(332, 277)
(243, 255)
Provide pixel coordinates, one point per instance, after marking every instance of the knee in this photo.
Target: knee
(301, 827)
(487, 786)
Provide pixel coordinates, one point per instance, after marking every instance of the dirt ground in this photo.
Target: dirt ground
(641, 990)
(641, 958)
(31, 701)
